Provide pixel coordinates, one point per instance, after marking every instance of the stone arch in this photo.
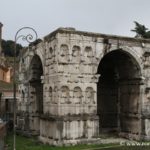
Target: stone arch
(89, 96)
(36, 85)
(76, 54)
(36, 68)
(118, 93)
(88, 54)
(132, 53)
(77, 95)
(40, 53)
(64, 53)
(64, 94)
(35, 74)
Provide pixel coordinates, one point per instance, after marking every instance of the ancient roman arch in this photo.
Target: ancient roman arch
(119, 94)
(85, 84)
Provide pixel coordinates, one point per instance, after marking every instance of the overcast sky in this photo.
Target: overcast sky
(103, 16)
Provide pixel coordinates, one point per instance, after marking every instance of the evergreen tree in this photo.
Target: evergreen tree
(141, 30)
(8, 48)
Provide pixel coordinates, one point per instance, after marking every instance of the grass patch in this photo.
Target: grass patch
(24, 143)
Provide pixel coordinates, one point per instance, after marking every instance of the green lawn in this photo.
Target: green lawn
(23, 143)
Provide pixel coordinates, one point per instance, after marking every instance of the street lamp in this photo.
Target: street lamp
(29, 38)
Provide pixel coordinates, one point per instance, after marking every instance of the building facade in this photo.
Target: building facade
(76, 85)
(5, 71)
(6, 88)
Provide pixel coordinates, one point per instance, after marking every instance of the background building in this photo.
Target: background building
(6, 86)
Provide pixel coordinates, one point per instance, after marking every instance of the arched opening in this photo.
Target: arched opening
(36, 72)
(118, 94)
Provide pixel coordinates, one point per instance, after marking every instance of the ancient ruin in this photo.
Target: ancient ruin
(76, 85)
